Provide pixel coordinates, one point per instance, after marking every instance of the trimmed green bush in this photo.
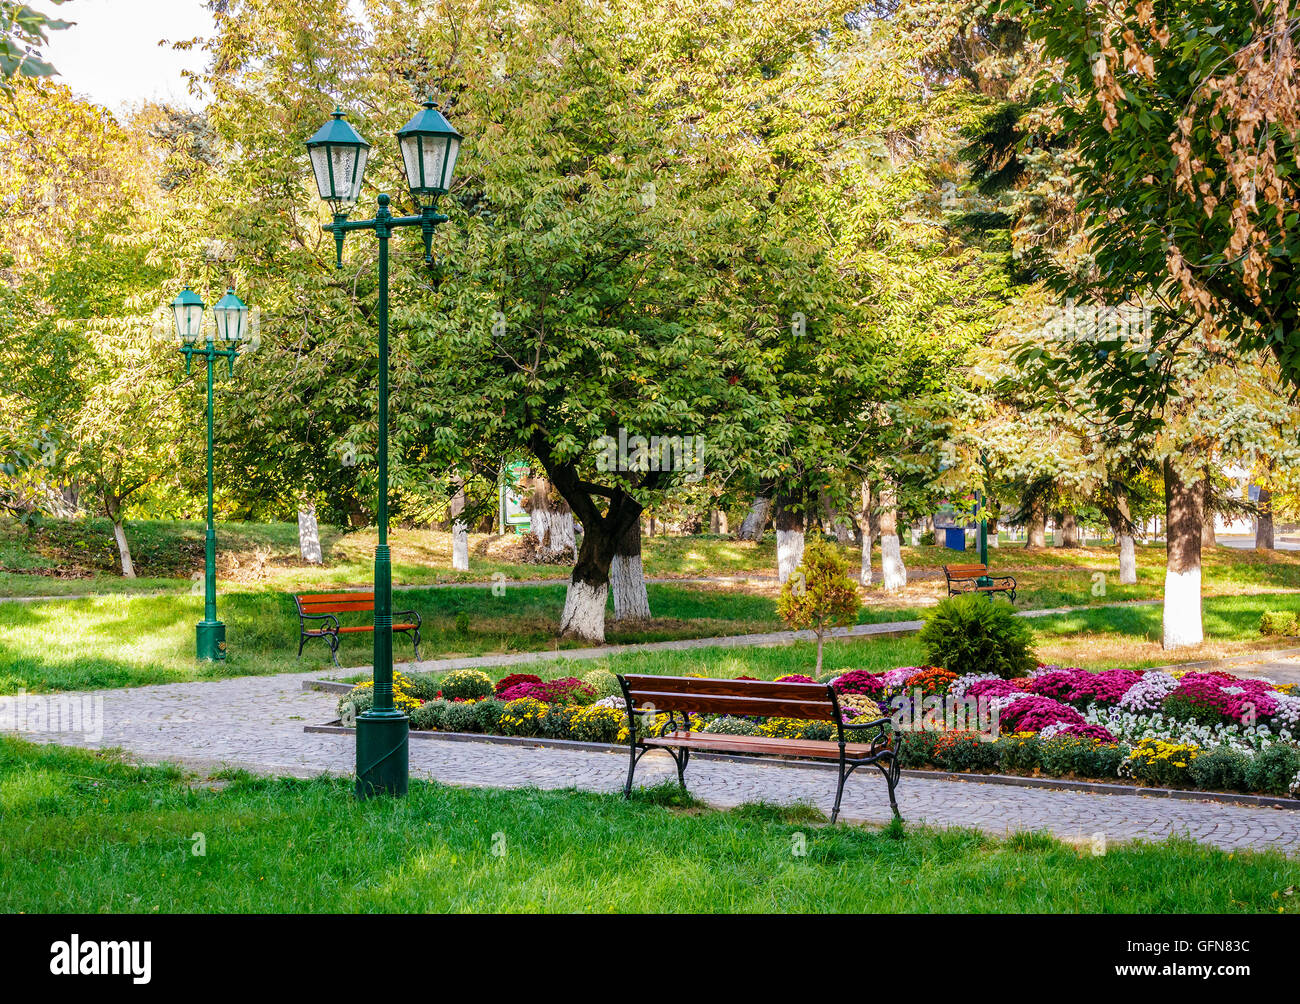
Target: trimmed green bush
(1278, 622)
(488, 714)
(728, 725)
(423, 685)
(968, 634)
(1221, 768)
(1272, 769)
(355, 701)
(604, 683)
(461, 718)
(466, 685)
(431, 716)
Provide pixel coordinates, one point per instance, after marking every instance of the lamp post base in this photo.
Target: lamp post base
(210, 640)
(383, 753)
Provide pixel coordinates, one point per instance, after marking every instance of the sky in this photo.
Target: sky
(112, 54)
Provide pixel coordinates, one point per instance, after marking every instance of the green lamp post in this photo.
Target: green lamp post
(231, 317)
(983, 580)
(429, 146)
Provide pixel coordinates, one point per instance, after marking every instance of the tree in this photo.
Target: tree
(23, 33)
(819, 594)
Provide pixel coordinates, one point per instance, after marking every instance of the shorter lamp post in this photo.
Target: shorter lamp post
(231, 317)
(429, 146)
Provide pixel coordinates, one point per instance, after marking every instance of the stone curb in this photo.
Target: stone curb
(1015, 781)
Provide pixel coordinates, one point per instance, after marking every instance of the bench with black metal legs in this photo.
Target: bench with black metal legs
(976, 579)
(322, 610)
(678, 696)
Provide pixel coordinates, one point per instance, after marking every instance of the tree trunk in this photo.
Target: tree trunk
(1036, 524)
(627, 578)
(1208, 537)
(459, 531)
(1264, 521)
(309, 534)
(751, 528)
(893, 573)
(1184, 507)
(123, 549)
(551, 519)
(1123, 529)
(866, 516)
(718, 522)
(789, 538)
(1069, 527)
(840, 528)
(993, 532)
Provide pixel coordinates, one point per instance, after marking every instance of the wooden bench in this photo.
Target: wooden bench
(976, 579)
(679, 695)
(324, 608)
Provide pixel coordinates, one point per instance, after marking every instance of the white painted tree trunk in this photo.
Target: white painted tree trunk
(1182, 613)
(866, 523)
(309, 535)
(460, 547)
(123, 550)
(627, 578)
(893, 573)
(554, 532)
(751, 528)
(459, 530)
(1184, 507)
(584, 612)
(789, 552)
(1128, 574)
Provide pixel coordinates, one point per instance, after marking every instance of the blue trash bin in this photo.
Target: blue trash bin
(954, 538)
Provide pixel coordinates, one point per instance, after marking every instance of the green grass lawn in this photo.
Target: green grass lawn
(85, 832)
(118, 641)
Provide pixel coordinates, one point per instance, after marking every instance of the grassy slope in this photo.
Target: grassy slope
(83, 832)
(118, 641)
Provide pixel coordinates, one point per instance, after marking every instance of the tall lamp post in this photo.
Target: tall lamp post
(231, 316)
(429, 146)
(980, 503)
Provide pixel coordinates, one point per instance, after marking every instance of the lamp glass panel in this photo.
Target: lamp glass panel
(232, 322)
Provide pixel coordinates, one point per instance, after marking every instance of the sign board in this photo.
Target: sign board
(511, 512)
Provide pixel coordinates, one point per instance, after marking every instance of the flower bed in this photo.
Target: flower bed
(1211, 731)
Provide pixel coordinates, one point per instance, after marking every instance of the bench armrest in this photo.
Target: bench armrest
(319, 617)
(407, 613)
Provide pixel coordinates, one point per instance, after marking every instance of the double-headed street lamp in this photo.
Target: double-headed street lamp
(231, 330)
(429, 146)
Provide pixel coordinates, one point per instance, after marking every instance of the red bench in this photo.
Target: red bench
(323, 609)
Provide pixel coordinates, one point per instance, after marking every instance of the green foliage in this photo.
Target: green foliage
(603, 682)
(1273, 769)
(968, 634)
(430, 716)
(1278, 622)
(23, 32)
(819, 594)
(466, 684)
(1220, 769)
(727, 725)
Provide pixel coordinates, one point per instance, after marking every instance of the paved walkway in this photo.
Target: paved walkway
(257, 723)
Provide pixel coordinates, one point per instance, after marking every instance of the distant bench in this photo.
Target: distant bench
(976, 579)
(678, 695)
(322, 609)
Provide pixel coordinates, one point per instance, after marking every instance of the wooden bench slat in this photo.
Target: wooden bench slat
(371, 627)
(327, 597)
(819, 748)
(337, 608)
(723, 704)
(736, 688)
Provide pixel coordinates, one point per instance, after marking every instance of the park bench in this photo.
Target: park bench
(323, 609)
(676, 696)
(976, 579)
